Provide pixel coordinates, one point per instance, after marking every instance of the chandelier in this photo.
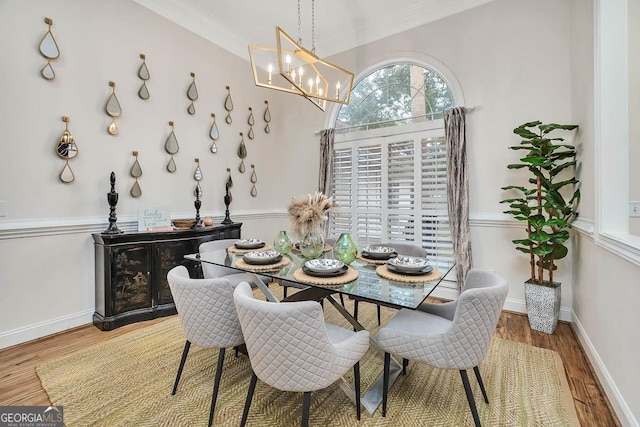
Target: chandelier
(291, 68)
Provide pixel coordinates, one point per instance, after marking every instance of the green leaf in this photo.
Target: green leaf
(543, 250)
(525, 242)
(514, 187)
(523, 249)
(535, 160)
(558, 169)
(537, 221)
(540, 236)
(525, 133)
(560, 251)
(559, 237)
(555, 222)
(554, 126)
(516, 166)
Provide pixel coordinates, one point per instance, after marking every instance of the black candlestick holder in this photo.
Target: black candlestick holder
(112, 198)
(198, 204)
(227, 202)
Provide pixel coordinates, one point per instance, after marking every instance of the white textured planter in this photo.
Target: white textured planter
(543, 306)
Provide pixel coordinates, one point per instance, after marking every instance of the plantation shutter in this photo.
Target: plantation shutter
(369, 194)
(401, 196)
(341, 219)
(436, 235)
(394, 190)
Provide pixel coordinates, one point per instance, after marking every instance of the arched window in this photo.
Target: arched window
(389, 168)
(395, 95)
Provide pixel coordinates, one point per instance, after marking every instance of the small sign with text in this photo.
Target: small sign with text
(150, 219)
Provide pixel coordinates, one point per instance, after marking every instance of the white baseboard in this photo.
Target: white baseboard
(620, 406)
(41, 329)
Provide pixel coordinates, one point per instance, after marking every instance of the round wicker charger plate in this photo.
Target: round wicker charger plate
(383, 272)
(349, 276)
(235, 250)
(262, 267)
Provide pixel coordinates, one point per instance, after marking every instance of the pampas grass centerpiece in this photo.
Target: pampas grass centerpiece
(308, 214)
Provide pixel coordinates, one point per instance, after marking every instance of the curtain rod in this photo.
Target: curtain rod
(345, 129)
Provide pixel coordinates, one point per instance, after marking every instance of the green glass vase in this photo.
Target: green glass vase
(312, 245)
(345, 249)
(283, 243)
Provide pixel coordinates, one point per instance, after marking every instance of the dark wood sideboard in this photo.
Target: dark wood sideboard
(131, 271)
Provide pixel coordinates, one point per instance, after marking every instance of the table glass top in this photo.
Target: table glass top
(369, 285)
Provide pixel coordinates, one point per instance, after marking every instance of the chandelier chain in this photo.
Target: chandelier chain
(313, 26)
(299, 33)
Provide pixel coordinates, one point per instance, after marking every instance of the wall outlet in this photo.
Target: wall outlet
(3, 209)
(634, 209)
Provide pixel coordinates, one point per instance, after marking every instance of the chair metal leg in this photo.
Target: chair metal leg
(306, 404)
(378, 315)
(356, 380)
(185, 352)
(385, 383)
(342, 300)
(479, 378)
(355, 309)
(247, 403)
(284, 290)
(216, 385)
(470, 399)
(405, 363)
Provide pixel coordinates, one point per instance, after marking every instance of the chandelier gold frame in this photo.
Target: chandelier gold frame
(300, 71)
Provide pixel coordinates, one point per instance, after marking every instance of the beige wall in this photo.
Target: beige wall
(48, 223)
(494, 52)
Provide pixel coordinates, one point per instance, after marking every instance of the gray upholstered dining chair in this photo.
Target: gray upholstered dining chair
(208, 317)
(454, 335)
(291, 348)
(401, 249)
(216, 271)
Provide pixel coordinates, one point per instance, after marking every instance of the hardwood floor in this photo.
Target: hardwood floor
(20, 385)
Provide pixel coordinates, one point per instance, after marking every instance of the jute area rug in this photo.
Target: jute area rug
(127, 381)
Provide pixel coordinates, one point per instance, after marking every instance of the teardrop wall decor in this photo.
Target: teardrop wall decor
(66, 149)
(214, 134)
(113, 109)
(267, 117)
(143, 74)
(228, 105)
(197, 176)
(242, 153)
(171, 147)
(192, 94)
(254, 179)
(49, 49)
(136, 172)
(251, 121)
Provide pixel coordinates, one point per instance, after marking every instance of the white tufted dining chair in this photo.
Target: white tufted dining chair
(291, 348)
(208, 317)
(453, 335)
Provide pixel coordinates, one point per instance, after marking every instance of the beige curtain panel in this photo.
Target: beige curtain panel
(458, 190)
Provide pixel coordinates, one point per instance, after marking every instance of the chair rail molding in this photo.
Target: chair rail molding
(55, 226)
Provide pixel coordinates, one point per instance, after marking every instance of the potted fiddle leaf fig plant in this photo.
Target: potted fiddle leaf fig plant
(546, 206)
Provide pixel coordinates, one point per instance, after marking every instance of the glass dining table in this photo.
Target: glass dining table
(369, 286)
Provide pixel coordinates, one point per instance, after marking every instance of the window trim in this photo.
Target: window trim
(611, 130)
